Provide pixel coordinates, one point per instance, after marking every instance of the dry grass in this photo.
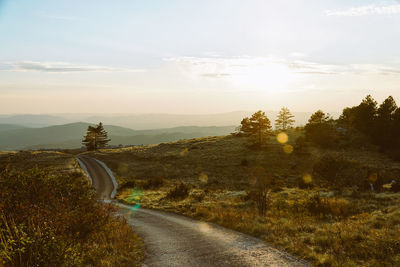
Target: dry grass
(323, 223)
(52, 161)
(50, 216)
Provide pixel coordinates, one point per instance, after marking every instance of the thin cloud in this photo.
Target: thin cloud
(216, 75)
(225, 67)
(366, 10)
(59, 17)
(52, 15)
(61, 67)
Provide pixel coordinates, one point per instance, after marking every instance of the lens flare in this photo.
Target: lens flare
(203, 177)
(307, 178)
(184, 152)
(373, 177)
(135, 198)
(282, 138)
(288, 149)
(204, 227)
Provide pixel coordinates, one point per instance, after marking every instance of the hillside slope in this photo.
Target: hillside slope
(8, 127)
(318, 203)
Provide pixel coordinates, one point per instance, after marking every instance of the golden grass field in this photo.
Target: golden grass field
(322, 222)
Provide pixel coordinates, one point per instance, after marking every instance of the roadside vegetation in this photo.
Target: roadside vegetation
(313, 191)
(50, 216)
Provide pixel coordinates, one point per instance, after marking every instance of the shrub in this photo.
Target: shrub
(180, 191)
(340, 172)
(260, 198)
(318, 205)
(322, 134)
(244, 163)
(300, 144)
(197, 195)
(55, 220)
(127, 184)
(153, 183)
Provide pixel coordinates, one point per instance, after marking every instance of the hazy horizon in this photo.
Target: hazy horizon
(196, 57)
(155, 113)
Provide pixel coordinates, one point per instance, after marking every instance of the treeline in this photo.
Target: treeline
(359, 126)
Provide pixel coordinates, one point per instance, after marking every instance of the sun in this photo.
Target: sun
(263, 75)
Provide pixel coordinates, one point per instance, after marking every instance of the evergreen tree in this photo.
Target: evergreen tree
(367, 123)
(319, 117)
(396, 133)
(96, 137)
(365, 115)
(257, 125)
(321, 129)
(362, 117)
(102, 137)
(386, 110)
(347, 117)
(384, 126)
(284, 120)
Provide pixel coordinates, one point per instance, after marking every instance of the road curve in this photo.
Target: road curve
(99, 177)
(174, 240)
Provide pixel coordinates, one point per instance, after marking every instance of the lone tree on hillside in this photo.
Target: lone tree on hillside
(96, 137)
(284, 120)
(257, 125)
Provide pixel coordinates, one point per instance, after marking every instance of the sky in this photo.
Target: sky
(195, 57)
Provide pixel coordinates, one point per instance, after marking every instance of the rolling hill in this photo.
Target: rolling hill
(8, 127)
(70, 135)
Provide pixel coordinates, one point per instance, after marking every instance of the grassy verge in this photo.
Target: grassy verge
(50, 216)
(326, 229)
(324, 214)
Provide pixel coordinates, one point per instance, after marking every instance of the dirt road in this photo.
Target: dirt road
(173, 240)
(99, 177)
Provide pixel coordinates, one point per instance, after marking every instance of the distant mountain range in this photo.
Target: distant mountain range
(33, 120)
(15, 137)
(144, 121)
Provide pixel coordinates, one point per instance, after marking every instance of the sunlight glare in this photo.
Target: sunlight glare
(203, 177)
(288, 149)
(307, 178)
(282, 138)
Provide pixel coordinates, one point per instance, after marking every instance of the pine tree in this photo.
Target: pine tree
(366, 115)
(284, 120)
(102, 137)
(385, 122)
(321, 129)
(319, 117)
(96, 137)
(257, 125)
